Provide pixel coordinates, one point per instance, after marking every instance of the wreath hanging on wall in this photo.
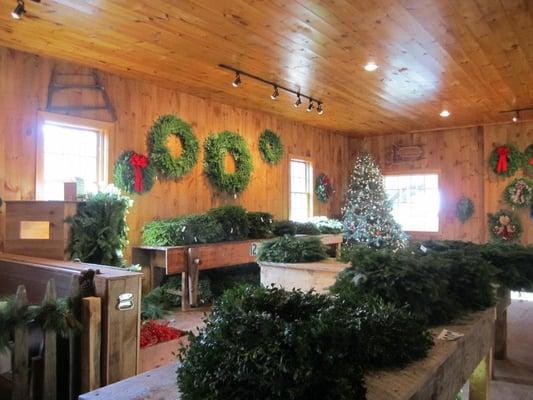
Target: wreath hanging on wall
(504, 226)
(464, 209)
(323, 188)
(160, 156)
(133, 173)
(270, 147)
(519, 193)
(528, 154)
(505, 160)
(216, 147)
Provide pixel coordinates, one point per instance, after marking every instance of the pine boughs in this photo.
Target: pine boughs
(124, 174)
(519, 193)
(216, 147)
(504, 226)
(464, 209)
(367, 217)
(290, 249)
(505, 160)
(160, 156)
(187, 229)
(233, 220)
(260, 224)
(270, 147)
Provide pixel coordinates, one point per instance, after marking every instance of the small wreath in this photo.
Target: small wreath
(323, 188)
(528, 155)
(505, 160)
(160, 156)
(270, 147)
(519, 193)
(504, 226)
(216, 147)
(464, 209)
(133, 173)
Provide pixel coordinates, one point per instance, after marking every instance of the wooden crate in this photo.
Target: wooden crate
(38, 228)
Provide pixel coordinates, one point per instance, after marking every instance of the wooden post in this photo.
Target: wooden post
(91, 319)
(500, 333)
(21, 352)
(193, 262)
(185, 305)
(74, 341)
(50, 351)
(480, 380)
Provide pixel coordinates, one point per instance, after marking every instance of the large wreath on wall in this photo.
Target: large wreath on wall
(528, 154)
(505, 160)
(216, 147)
(519, 193)
(323, 188)
(133, 173)
(464, 209)
(160, 156)
(270, 147)
(504, 226)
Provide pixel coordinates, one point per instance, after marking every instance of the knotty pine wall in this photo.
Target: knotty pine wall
(24, 80)
(461, 157)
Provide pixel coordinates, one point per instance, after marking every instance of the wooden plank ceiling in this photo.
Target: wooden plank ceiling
(473, 57)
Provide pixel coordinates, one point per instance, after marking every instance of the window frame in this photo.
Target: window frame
(310, 196)
(105, 135)
(421, 234)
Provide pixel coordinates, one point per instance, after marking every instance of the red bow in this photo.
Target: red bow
(503, 153)
(138, 162)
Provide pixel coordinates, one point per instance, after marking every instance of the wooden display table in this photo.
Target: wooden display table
(438, 377)
(189, 260)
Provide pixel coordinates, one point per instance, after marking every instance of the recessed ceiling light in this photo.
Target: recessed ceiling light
(445, 113)
(371, 66)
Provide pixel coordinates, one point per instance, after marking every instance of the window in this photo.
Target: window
(301, 190)
(415, 201)
(70, 153)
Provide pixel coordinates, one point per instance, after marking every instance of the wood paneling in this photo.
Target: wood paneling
(24, 79)
(474, 57)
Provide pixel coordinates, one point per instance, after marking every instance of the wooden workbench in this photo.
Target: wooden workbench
(439, 376)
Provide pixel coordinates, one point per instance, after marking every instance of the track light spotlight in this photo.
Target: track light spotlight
(298, 101)
(237, 81)
(275, 93)
(310, 106)
(516, 116)
(320, 109)
(19, 10)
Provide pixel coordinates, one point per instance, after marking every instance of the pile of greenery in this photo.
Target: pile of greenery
(290, 249)
(99, 232)
(306, 228)
(233, 220)
(269, 343)
(260, 224)
(327, 225)
(284, 227)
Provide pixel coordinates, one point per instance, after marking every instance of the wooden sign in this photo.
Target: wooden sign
(407, 153)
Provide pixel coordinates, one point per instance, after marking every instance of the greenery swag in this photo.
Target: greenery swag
(270, 147)
(504, 226)
(260, 225)
(519, 193)
(216, 147)
(464, 209)
(290, 249)
(505, 160)
(528, 154)
(160, 156)
(323, 188)
(133, 173)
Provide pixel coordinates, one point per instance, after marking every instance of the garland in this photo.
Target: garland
(159, 153)
(528, 154)
(519, 193)
(133, 173)
(464, 209)
(323, 188)
(505, 160)
(270, 147)
(216, 147)
(504, 226)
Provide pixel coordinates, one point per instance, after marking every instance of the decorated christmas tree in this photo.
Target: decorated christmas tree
(366, 215)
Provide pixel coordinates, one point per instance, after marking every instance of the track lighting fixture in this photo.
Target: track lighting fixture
(19, 10)
(320, 109)
(298, 101)
(310, 106)
(516, 116)
(275, 93)
(516, 113)
(237, 81)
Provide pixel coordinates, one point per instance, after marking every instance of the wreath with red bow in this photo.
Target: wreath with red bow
(505, 160)
(528, 168)
(133, 173)
(323, 188)
(504, 226)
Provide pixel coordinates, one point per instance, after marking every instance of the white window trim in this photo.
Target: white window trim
(105, 136)
(310, 197)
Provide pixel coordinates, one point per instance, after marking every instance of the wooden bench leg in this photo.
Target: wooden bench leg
(480, 380)
(193, 269)
(500, 336)
(185, 305)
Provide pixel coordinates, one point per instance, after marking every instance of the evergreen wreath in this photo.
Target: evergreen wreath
(216, 147)
(160, 157)
(506, 159)
(504, 226)
(464, 209)
(270, 147)
(323, 188)
(133, 173)
(519, 193)
(528, 154)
